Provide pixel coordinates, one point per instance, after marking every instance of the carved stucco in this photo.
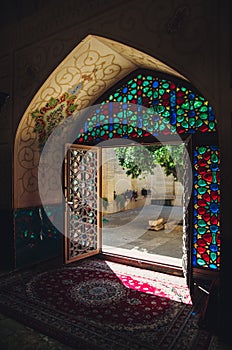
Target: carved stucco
(95, 65)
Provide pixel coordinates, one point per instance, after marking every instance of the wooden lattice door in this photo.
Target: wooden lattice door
(83, 205)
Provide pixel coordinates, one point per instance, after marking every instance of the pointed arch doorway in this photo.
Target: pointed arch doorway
(177, 106)
(179, 109)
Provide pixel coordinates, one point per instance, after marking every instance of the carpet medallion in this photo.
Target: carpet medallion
(95, 304)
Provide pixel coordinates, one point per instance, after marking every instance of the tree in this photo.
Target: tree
(141, 160)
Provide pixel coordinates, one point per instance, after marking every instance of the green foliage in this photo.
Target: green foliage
(141, 160)
(136, 160)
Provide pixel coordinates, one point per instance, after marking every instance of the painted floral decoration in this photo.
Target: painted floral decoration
(48, 117)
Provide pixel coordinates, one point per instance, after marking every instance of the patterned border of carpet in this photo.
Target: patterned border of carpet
(175, 327)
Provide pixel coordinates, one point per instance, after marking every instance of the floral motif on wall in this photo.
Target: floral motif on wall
(56, 110)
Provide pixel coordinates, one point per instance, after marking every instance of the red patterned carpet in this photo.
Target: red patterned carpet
(95, 304)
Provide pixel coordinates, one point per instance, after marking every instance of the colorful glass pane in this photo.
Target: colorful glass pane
(170, 108)
(206, 251)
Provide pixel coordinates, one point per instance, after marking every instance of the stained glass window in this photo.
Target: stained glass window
(171, 107)
(206, 207)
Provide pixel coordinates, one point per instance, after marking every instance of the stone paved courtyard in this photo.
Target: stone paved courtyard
(127, 233)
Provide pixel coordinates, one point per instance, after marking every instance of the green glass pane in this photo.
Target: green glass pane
(102, 117)
(166, 120)
(110, 135)
(180, 118)
(201, 230)
(130, 97)
(165, 85)
(201, 262)
(155, 94)
(180, 111)
(130, 129)
(202, 150)
(213, 256)
(146, 83)
(149, 94)
(116, 94)
(119, 99)
(199, 123)
(146, 116)
(202, 182)
(140, 132)
(201, 190)
(134, 117)
(145, 90)
(162, 127)
(183, 88)
(166, 114)
(214, 158)
(204, 116)
(160, 109)
(191, 121)
(211, 125)
(134, 85)
(214, 180)
(185, 105)
(149, 77)
(139, 76)
(184, 124)
(201, 223)
(119, 131)
(161, 91)
(102, 132)
(203, 109)
(173, 128)
(214, 238)
(150, 129)
(134, 92)
(106, 127)
(197, 104)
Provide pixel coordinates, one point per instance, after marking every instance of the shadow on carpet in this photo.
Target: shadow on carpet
(94, 304)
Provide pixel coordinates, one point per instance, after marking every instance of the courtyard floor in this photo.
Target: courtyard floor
(127, 233)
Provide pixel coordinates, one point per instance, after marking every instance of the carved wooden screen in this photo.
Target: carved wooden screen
(187, 216)
(83, 211)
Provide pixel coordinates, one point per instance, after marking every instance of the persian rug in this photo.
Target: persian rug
(95, 304)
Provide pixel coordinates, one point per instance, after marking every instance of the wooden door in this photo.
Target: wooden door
(83, 219)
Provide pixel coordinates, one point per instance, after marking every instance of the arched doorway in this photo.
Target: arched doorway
(180, 109)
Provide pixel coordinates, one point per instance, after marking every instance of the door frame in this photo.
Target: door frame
(143, 263)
